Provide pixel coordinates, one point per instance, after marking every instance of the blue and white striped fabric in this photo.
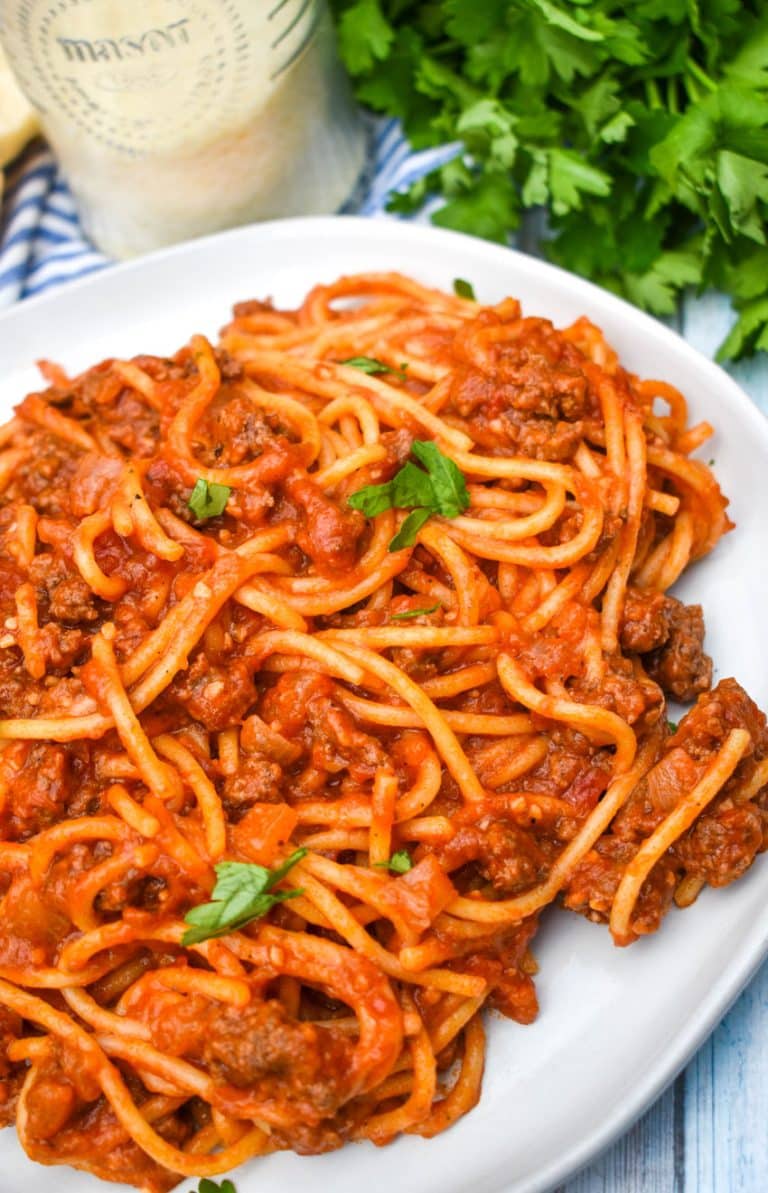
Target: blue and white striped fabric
(42, 244)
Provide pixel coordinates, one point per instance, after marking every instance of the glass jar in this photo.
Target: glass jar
(173, 118)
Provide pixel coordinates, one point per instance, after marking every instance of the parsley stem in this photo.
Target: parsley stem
(652, 94)
(700, 74)
(672, 103)
(691, 90)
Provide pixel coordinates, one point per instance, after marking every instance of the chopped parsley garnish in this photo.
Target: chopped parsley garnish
(408, 613)
(208, 499)
(369, 364)
(463, 289)
(437, 488)
(399, 863)
(208, 1186)
(243, 892)
(406, 535)
(672, 726)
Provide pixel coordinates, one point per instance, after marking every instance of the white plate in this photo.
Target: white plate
(615, 1025)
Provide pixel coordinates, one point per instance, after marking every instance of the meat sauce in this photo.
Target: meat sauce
(301, 741)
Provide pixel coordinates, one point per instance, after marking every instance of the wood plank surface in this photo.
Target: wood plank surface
(708, 1133)
(646, 1159)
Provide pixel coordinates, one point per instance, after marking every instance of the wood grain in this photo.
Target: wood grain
(644, 1160)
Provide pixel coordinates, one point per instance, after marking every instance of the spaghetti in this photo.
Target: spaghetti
(330, 656)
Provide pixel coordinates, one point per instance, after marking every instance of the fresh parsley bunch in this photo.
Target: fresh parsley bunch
(642, 128)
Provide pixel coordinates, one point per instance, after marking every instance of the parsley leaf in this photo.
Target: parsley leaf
(408, 613)
(207, 499)
(570, 178)
(406, 535)
(243, 892)
(450, 488)
(438, 488)
(487, 206)
(369, 364)
(672, 726)
(656, 289)
(410, 487)
(365, 35)
(749, 332)
(399, 863)
(372, 500)
(208, 1186)
(463, 289)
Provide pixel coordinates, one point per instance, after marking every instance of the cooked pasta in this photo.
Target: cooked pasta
(331, 656)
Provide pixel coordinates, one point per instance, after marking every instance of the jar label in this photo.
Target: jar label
(152, 76)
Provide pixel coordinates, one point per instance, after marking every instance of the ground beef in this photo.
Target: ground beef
(592, 886)
(556, 652)
(570, 756)
(263, 1050)
(72, 601)
(11, 1075)
(10, 1030)
(511, 859)
(507, 966)
(542, 438)
(48, 779)
(131, 424)
(646, 621)
(721, 846)
(704, 729)
(398, 448)
(327, 533)
(252, 306)
(303, 708)
(46, 477)
(230, 369)
(19, 695)
(234, 430)
(681, 666)
(315, 1140)
(524, 380)
(670, 636)
(64, 648)
(215, 696)
(507, 856)
(620, 691)
(257, 781)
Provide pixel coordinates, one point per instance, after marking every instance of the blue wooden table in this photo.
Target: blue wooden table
(708, 1133)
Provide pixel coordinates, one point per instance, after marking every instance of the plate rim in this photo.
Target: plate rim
(382, 227)
(717, 999)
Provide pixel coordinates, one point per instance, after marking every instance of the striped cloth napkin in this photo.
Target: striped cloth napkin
(42, 244)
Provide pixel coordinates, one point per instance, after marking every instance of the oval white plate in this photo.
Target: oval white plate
(615, 1025)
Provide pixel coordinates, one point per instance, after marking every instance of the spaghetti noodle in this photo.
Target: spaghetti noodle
(330, 656)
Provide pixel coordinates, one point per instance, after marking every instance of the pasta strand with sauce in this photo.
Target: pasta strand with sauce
(288, 770)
